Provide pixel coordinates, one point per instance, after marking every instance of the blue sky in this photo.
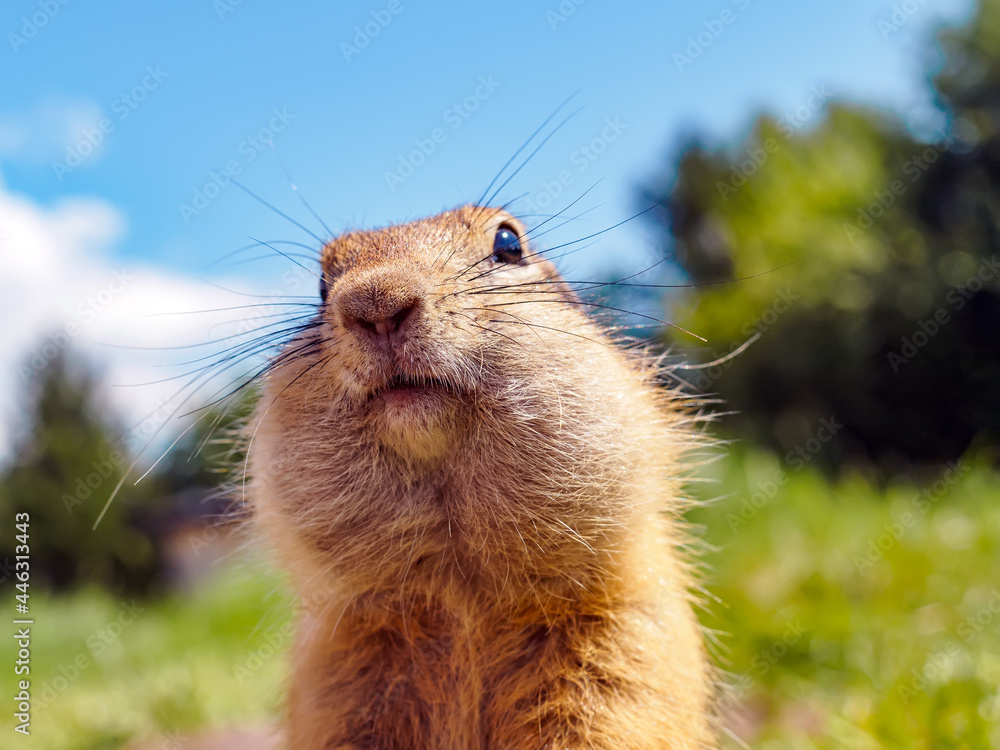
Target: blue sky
(229, 64)
(341, 94)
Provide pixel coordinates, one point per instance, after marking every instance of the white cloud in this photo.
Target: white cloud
(59, 288)
(45, 131)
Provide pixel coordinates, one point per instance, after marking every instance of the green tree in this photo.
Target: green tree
(62, 472)
(865, 258)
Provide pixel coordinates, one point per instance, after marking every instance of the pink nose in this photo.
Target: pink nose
(381, 308)
(385, 332)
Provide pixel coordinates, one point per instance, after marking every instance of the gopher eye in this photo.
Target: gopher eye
(507, 245)
(324, 286)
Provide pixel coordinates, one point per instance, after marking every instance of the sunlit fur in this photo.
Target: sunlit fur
(495, 564)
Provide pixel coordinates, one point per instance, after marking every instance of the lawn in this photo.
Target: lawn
(106, 671)
(855, 618)
(846, 616)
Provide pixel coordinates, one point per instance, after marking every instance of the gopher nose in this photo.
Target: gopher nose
(380, 310)
(386, 332)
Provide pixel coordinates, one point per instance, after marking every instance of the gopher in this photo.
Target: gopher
(477, 492)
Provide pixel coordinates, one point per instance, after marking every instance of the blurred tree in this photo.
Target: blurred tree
(969, 80)
(203, 472)
(875, 275)
(74, 455)
(62, 473)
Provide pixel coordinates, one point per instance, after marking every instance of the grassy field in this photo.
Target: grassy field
(858, 619)
(847, 617)
(106, 672)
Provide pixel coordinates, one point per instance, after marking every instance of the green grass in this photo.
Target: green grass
(857, 618)
(828, 647)
(104, 674)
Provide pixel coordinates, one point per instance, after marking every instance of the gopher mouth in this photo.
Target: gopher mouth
(415, 385)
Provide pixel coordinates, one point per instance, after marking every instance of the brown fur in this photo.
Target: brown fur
(495, 565)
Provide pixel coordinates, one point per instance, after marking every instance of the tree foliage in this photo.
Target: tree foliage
(63, 471)
(867, 261)
(73, 456)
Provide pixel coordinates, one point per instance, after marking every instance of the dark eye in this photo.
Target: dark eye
(507, 246)
(324, 287)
